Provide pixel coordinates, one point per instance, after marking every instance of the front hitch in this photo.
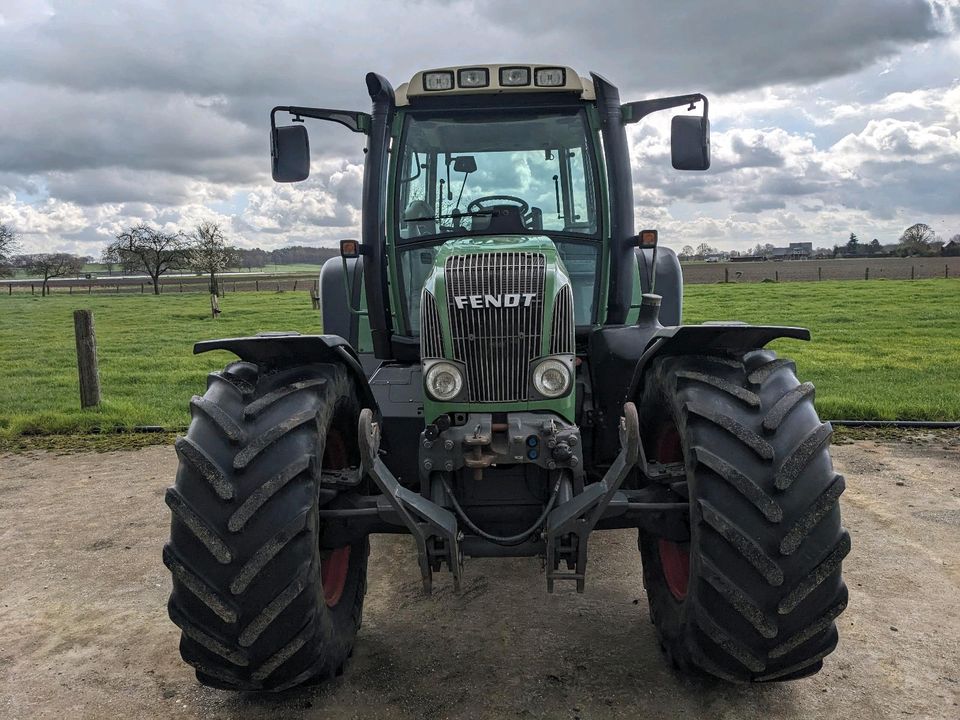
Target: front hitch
(570, 523)
(433, 527)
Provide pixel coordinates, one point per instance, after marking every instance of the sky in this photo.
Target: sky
(827, 117)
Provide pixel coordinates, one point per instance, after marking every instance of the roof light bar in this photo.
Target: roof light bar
(550, 77)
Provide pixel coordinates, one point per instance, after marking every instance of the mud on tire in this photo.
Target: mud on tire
(244, 540)
(754, 595)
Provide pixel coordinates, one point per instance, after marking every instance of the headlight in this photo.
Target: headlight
(444, 381)
(551, 378)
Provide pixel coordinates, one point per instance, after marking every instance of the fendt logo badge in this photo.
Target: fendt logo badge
(507, 300)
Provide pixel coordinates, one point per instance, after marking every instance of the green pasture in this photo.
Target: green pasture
(880, 350)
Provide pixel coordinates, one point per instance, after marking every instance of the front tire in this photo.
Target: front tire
(260, 605)
(754, 594)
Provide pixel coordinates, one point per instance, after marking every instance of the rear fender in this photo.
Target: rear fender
(271, 351)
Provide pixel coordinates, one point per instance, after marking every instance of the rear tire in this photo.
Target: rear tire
(754, 594)
(260, 605)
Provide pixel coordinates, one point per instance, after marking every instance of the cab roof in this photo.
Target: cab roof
(495, 74)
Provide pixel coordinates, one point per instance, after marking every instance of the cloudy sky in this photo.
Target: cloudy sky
(828, 116)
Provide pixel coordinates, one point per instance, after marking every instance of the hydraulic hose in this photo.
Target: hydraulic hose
(499, 539)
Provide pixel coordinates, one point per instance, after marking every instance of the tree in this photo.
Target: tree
(110, 257)
(143, 248)
(875, 247)
(211, 255)
(703, 249)
(687, 251)
(853, 245)
(916, 240)
(51, 265)
(250, 259)
(8, 246)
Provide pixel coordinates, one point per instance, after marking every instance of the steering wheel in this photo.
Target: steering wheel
(484, 203)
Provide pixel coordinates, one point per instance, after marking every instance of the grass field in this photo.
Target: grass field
(886, 349)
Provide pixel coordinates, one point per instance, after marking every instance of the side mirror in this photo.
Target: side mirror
(690, 142)
(290, 153)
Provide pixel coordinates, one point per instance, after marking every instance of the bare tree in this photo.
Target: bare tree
(703, 249)
(916, 240)
(8, 246)
(687, 251)
(211, 254)
(152, 251)
(52, 265)
(110, 257)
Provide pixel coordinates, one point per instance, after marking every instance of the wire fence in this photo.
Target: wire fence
(141, 286)
(918, 268)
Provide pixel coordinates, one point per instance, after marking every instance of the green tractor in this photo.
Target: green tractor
(504, 372)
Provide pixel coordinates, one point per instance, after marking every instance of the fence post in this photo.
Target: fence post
(278, 286)
(295, 285)
(257, 285)
(776, 275)
(866, 273)
(214, 305)
(31, 288)
(89, 289)
(70, 290)
(946, 271)
(819, 273)
(87, 358)
(726, 276)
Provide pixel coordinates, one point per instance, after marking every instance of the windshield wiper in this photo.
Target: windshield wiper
(478, 213)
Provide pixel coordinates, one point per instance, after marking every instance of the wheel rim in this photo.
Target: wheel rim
(334, 567)
(674, 557)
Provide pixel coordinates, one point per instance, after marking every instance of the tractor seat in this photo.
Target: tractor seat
(416, 228)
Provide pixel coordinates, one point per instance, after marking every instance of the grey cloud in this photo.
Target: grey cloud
(755, 154)
(759, 204)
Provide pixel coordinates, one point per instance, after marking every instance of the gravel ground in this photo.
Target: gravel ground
(84, 632)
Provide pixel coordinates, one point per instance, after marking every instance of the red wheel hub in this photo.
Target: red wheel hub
(674, 557)
(333, 575)
(334, 567)
(675, 561)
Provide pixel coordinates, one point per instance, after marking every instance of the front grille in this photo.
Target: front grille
(431, 336)
(562, 334)
(496, 343)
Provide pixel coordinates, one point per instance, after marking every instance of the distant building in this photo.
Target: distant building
(951, 249)
(795, 251)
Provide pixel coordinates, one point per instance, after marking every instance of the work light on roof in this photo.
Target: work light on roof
(473, 77)
(442, 80)
(549, 77)
(514, 76)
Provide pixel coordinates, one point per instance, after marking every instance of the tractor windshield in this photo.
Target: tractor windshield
(498, 174)
(492, 174)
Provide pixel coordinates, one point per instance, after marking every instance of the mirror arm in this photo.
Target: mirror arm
(636, 111)
(358, 122)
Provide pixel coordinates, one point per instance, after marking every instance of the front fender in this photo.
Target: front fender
(272, 351)
(728, 337)
(621, 354)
